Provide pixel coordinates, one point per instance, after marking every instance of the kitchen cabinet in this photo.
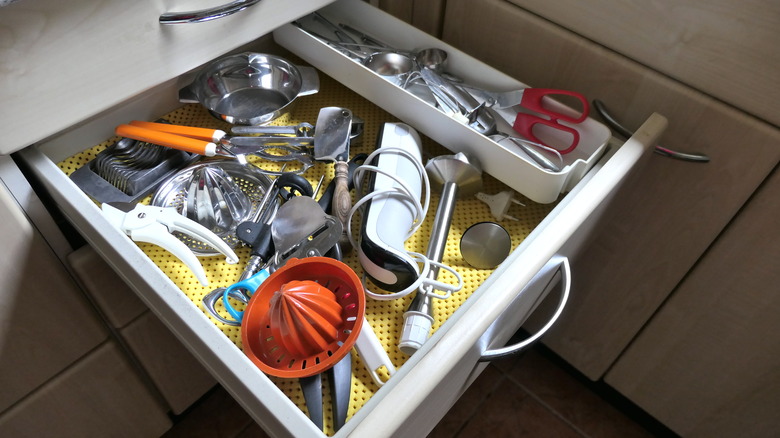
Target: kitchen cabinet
(708, 362)
(41, 336)
(671, 211)
(429, 381)
(175, 373)
(100, 395)
(61, 372)
(671, 217)
(424, 15)
(102, 53)
(721, 48)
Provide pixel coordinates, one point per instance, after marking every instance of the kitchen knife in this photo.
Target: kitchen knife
(331, 143)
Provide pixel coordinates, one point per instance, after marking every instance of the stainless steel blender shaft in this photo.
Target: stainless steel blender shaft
(458, 175)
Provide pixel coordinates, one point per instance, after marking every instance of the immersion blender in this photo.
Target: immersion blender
(458, 175)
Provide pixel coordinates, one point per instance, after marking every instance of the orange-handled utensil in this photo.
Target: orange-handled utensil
(207, 134)
(171, 140)
(210, 142)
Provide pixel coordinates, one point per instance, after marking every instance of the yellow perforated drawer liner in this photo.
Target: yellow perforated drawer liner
(386, 317)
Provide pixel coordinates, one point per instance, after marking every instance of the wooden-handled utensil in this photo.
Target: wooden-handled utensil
(331, 143)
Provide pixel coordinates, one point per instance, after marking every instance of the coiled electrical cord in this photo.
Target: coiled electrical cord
(402, 191)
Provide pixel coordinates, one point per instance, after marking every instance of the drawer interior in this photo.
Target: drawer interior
(427, 383)
(385, 317)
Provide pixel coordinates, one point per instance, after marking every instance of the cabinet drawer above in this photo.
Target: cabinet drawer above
(64, 62)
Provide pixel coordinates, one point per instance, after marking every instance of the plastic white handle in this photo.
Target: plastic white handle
(373, 354)
(417, 328)
(183, 224)
(158, 235)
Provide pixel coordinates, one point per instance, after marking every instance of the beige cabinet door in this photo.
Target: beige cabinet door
(99, 396)
(720, 47)
(708, 364)
(45, 322)
(178, 375)
(668, 213)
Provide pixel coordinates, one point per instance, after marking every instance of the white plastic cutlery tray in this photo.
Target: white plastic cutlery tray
(563, 207)
(508, 163)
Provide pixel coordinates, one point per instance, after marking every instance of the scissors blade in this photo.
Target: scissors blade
(505, 118)
(508, 99)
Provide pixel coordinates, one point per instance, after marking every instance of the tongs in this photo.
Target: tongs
(460, 103)
(301, 130)
(273, 143)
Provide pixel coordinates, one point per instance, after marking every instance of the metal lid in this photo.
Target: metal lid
(485, 245)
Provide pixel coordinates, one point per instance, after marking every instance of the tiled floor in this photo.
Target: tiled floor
(535, 395)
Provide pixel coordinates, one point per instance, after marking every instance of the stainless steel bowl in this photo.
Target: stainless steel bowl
(250, 88)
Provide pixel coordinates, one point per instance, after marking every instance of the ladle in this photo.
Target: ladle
(382, 58)
(431, 58)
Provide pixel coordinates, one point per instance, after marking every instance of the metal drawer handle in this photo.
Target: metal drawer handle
(510, 350)
(206, 14)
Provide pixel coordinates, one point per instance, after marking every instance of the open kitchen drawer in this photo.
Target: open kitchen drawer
(426, 383)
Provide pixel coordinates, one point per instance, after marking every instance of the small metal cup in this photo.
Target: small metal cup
(391, 66)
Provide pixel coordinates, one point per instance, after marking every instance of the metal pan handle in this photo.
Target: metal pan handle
(206, 14)
(514, 349)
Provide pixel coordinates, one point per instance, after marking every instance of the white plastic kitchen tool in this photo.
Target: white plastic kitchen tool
(499, 204)
(146, 223)
(373, 354)
(394, 192)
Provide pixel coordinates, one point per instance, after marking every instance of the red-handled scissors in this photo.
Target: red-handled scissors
(537, 100)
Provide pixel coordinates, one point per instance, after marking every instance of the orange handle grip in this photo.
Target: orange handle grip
(187, 131)
(188, 144)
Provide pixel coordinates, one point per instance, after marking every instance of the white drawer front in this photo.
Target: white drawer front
(64, 62)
